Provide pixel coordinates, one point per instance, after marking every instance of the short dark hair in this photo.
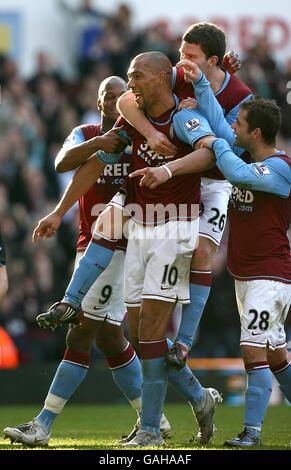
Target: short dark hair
(265, 115)
(209, 37)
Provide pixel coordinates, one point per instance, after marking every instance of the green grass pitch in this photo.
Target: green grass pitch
(99, 427)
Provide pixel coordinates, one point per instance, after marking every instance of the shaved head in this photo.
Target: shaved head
(150, 81)
(156, 62)
(111, 82)
(109, 91)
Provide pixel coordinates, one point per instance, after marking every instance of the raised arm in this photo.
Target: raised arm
(76, 150)
(157, 141)
(207, 102)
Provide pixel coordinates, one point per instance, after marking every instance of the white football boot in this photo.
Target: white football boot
(205, 417)
(145, 439)
(30, 434)
(165, 428)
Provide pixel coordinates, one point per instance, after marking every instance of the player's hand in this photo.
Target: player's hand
(113, 141)
(231, 62)
(160, 144)
(47, 227)
(206, 142)
(188, 103)
(151, 177)
(191, 70)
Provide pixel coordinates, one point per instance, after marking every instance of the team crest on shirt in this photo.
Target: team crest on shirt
(129, 148)
(261, 169)
(192, 124)
(150, 156)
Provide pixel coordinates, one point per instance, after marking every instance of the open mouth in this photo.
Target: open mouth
(137, 97)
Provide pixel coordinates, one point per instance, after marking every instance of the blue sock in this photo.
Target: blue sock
(126, 373)
(94, 261)
(258, 394)
(67, 379)
(154, 389)
(154, 385)
(284, 379)
(185, 382)
(191, 313)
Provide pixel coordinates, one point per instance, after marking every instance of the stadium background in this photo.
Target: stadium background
(52, 60)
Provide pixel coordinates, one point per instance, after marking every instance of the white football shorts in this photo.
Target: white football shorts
(263, 307)
(105, 299)
(215, 195)
(157, 261)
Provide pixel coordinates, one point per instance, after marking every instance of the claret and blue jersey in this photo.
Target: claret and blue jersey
(184, 129)
(232, 93)
(106, 186)
(260, 205)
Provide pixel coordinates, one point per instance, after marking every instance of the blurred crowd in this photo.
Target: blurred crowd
(36, 115)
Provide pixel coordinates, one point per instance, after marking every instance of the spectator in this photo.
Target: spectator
(35, 115)
(88, 24)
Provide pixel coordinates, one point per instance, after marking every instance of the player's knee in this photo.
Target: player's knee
(276, 357)
(203, 255)
(111, 340)
(79, 338)
(253, 354)
(151, 326)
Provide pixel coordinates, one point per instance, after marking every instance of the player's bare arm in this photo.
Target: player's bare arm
(157, 141)
(72, 157)
(195, 162)
(81, 182)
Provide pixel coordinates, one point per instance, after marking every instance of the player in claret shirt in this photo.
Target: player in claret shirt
(259, 255)
(164, 229)
(202, 44)
(258, 250)
(103, 308)
(157, 266)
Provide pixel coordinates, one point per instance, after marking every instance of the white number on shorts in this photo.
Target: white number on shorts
(170, 276)
(217, 219)
(263, 324)
(106, 294)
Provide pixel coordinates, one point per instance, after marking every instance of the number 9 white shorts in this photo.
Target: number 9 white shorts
(263, 307)
(215, 195)
(157, 261)
(104, 301)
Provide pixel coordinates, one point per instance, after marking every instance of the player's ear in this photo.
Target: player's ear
(257, 133)
(163, 76)
(99, 104)
(213, 60)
